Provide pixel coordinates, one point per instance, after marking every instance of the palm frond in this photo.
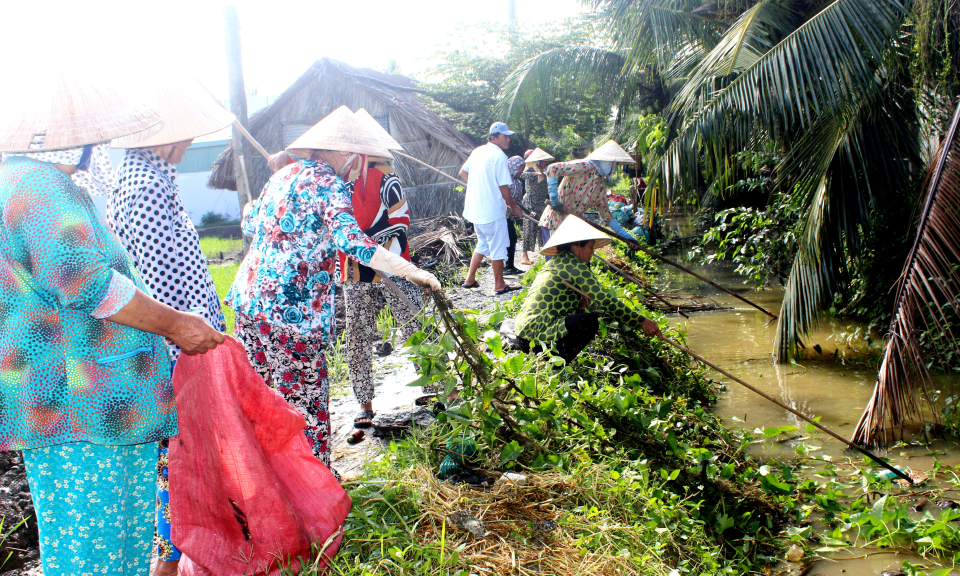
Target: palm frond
(565, 71)
(929, 287)
(655, 30)
(844, 178)
(754, 33)
(820, 70)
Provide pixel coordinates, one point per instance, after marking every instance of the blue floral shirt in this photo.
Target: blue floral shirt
(299, 222)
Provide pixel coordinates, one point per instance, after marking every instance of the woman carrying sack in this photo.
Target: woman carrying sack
(145, 212)
(283, 293)
(85, 370)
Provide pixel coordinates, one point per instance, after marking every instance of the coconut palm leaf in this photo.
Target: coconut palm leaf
(820, 70)
(564, 72)
(655, 30)
(838, 170)
(929, 289)
(754, 33)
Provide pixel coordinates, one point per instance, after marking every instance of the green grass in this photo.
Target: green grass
(212, 246)
(223, 276)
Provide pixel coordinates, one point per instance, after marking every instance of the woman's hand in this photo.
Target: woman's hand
(188, 331)
(193, 335)
(650, 328)
(278, 160)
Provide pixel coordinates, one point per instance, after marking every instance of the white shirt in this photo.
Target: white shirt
(487, 169)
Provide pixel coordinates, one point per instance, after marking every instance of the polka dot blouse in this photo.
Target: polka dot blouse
(145, 212)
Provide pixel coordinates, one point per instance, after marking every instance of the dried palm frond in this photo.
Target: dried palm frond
(440, 237)
(929, 288)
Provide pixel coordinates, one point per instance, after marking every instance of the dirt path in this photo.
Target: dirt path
(392, 374)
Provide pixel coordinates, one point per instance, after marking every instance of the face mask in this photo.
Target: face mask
(350, 170)
(605, 168)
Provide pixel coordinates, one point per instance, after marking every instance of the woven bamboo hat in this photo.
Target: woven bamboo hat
(188, 110)
(538, 155)
(610, 152)
(64, 107)
(340, 131)
(371, 124)
(574, 229)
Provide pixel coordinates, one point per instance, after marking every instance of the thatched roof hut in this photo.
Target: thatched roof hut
(392, 99)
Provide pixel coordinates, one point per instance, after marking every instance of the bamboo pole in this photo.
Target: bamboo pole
(253, 142)
(425, 165)
(676, 265)
(793, 411)
(634, 280)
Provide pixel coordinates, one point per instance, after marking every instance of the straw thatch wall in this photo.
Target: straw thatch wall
(329, 84)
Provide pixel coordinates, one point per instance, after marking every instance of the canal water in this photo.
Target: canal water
(740, 340)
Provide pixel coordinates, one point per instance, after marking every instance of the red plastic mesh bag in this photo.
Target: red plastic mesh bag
(246, 492)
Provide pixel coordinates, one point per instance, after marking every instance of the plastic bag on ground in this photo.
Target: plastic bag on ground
(246, 492)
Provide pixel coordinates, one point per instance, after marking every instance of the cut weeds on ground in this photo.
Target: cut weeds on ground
(627, 471)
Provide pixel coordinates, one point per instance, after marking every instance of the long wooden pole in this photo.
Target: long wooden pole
(253, 142)
(680, 267)
(429, 167)
(635, 281)
(238, 105)
(793, 411)
(664, 259)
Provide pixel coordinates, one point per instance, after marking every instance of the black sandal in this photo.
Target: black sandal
(364, 414)
(476, 284)
(509, 288)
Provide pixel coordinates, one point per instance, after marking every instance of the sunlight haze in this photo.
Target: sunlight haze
(280, 39)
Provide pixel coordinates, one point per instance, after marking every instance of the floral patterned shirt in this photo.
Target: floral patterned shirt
(299, 222)
(582, 190)
(67, 374)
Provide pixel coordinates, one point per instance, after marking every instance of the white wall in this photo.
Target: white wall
(196, 197)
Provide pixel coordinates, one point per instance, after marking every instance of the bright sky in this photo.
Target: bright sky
(280, 38)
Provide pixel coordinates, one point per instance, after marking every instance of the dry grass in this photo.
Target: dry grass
(531, 528)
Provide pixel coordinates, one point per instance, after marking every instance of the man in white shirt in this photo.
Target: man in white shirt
(488, 195)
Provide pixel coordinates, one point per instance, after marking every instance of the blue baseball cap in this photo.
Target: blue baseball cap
(500, 128)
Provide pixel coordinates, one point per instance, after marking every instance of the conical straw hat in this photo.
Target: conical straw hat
(610, 152)
(63, 107)
(574, 229)
(538, 155)
(371, 124)
(188, 110)
(341, 131)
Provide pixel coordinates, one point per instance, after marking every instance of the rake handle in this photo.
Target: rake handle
(819, 426)
(793, 411)
(676, 265)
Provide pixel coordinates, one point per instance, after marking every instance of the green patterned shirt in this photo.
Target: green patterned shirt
(549, 302)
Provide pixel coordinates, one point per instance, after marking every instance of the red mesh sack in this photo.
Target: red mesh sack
(246, 492)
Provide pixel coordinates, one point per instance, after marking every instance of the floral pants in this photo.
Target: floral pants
(296, 366)
(95, 507)
(362, 301)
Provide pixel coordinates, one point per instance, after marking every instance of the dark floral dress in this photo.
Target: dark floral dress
(283, 292)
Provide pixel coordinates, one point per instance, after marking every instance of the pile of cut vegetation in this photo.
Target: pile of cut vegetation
(613, 464)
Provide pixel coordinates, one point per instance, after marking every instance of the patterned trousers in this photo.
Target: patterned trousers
(95, 507)
(296, 366)
(363, 304)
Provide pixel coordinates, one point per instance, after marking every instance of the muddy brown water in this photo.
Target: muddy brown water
(740, 340)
